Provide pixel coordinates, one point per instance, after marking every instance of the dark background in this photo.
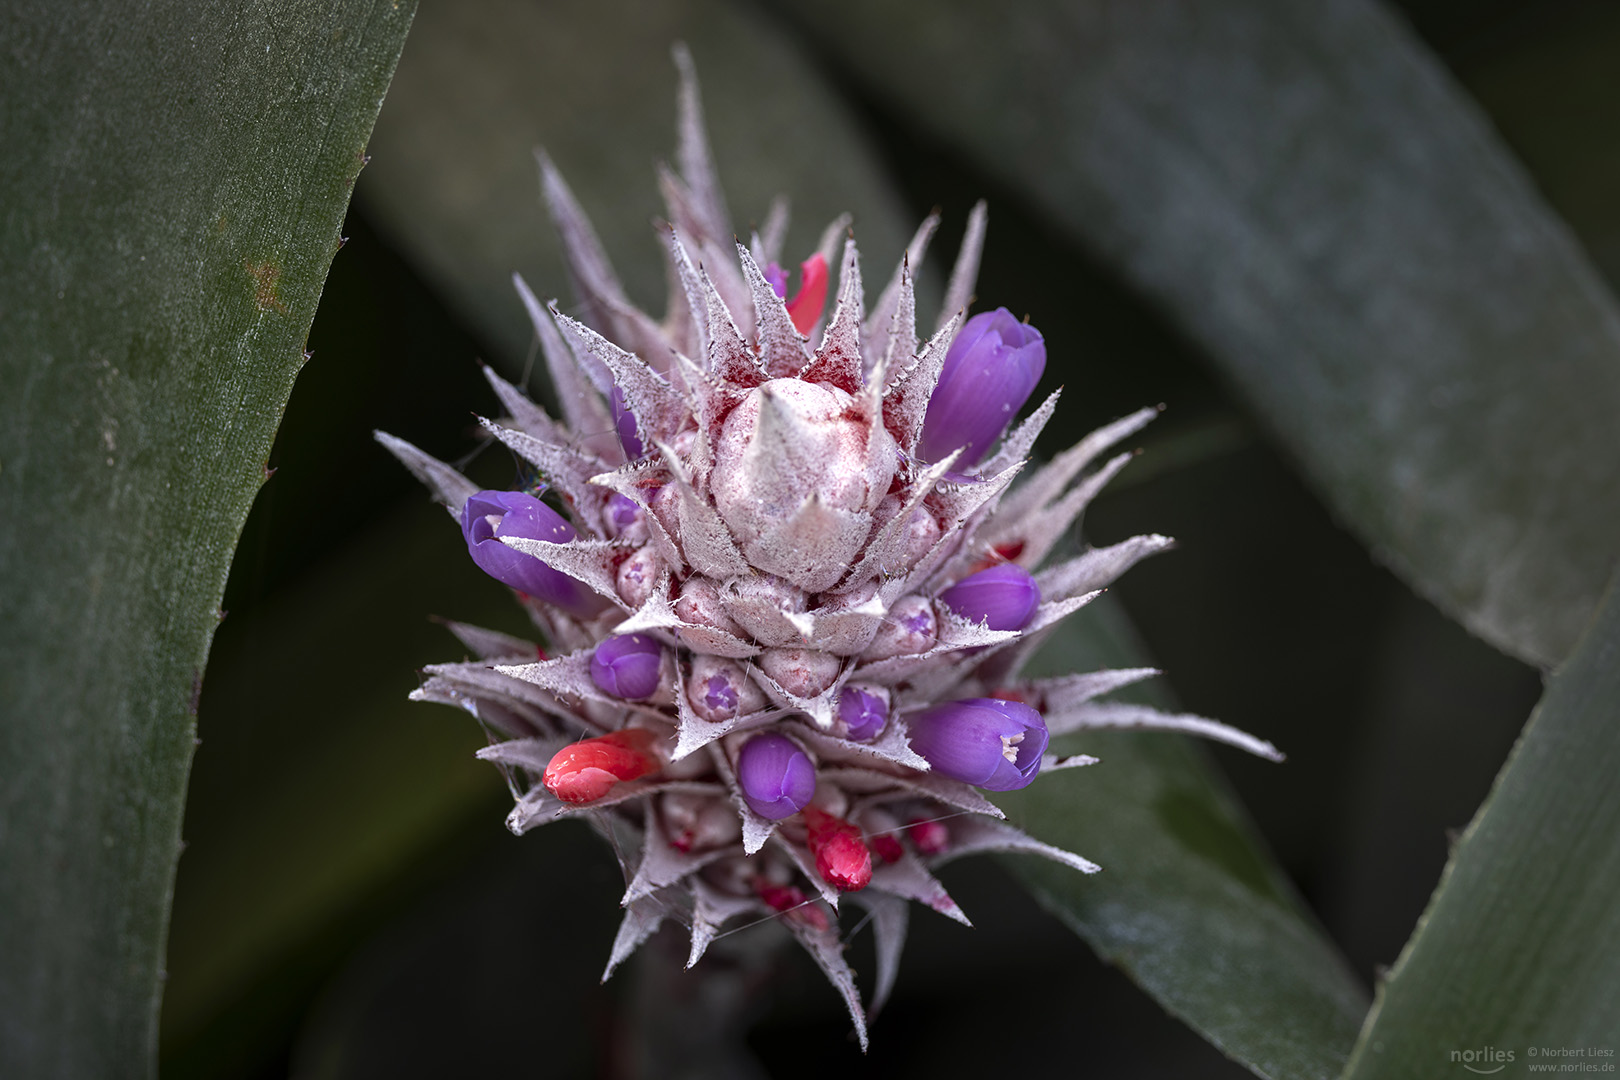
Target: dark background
(446, 947)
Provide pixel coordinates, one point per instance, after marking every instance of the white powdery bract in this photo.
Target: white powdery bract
(777, 542)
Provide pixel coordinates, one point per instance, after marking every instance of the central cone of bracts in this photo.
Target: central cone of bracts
(784, 579)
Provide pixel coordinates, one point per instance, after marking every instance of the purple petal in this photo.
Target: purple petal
(1004, 597)
(990, 743)
(492, 514)
(719, 695)
(990, 371)
(622, 513)
(778, 279)
(627, 666)
(776, 776)
(624, 422)
(863, 713)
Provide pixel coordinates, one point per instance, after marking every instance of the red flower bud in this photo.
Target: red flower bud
(928, 837)
(807, 304)
(585, 771)
(842, 859)
(790, 901)
(888, 848)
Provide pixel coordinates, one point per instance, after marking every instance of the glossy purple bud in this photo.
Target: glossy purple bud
(627, 666)
(489, 515)
(1004, 597)
(624, 422)
(776, 776)
(987, 742)
(863, 713)
(990, 371)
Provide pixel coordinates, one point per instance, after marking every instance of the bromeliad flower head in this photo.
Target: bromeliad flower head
(786, 581)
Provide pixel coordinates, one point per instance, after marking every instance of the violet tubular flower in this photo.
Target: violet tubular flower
(990, 371)
(1002, 597)
(766, 584)
(490, 515)
(987, 742)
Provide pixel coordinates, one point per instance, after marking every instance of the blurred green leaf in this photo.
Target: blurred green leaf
(1189, 902)
(1520, 946)
(173, 184)
(486, 81)
(1304, 189)
(1553, 89)
(352, 784)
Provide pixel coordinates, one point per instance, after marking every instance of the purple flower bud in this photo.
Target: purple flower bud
(719, 695)
(778, 279)
(990, 371)
(719, 689)
(776, 776)
(489, 515)
(862, 712)
(627, 666)
(623, 514)
(909, 629)
(987, 742)
(1004, 597)
(624, 422)
(637, 576)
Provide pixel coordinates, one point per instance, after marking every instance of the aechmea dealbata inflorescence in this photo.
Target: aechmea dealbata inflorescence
(787, 581)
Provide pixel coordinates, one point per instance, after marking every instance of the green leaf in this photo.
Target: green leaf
(1520, 945)
(173, 184)
(1189, 903)
(1305, 190)
(487, 81)
(364, 781)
